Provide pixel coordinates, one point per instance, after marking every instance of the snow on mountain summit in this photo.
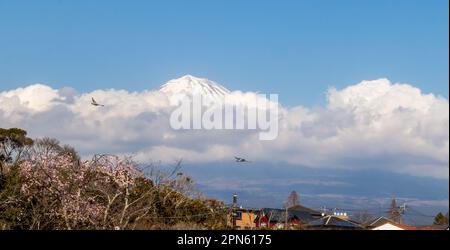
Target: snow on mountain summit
(190, 85)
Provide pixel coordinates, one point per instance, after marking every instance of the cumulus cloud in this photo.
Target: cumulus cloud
(36, 98)
(370, 125)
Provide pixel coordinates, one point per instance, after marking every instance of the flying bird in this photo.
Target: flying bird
(93, 102)
(238, 159)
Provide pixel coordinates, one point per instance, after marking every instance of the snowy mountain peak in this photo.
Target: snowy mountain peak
(193, 85)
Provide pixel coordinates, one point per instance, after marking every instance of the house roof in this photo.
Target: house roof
(300, 208)
(299, 212)
(274, 214)
(433, 227)
(246, 209)
(409, 227)
(333, 221)
(380, 221)
(383, 220)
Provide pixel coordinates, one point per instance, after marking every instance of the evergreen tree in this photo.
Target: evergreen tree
(440, 219)
(293, 200)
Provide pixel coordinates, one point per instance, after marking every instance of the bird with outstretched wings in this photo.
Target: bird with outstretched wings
(94, 103)
(239, 159)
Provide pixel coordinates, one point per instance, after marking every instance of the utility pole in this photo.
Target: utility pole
(233, 210)
(402, 210)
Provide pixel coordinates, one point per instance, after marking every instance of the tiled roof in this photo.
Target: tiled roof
(380, 221)
(301, 213)
(333, 221)
(383, 220)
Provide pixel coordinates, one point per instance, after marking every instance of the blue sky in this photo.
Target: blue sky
(295, 48)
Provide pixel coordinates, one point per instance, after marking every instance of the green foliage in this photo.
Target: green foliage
(441, 219)
(10, 213)
(12, 142)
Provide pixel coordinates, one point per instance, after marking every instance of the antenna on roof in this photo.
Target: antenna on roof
(402, 208)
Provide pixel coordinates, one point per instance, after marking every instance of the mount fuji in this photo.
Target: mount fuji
(191, 85)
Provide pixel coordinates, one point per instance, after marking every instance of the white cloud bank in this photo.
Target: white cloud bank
(373, 125)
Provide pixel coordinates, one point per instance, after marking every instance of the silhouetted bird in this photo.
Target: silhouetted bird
(238, 159)
(93, 102)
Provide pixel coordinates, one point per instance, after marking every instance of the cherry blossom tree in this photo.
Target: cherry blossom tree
(107, 192)
(48, 186)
